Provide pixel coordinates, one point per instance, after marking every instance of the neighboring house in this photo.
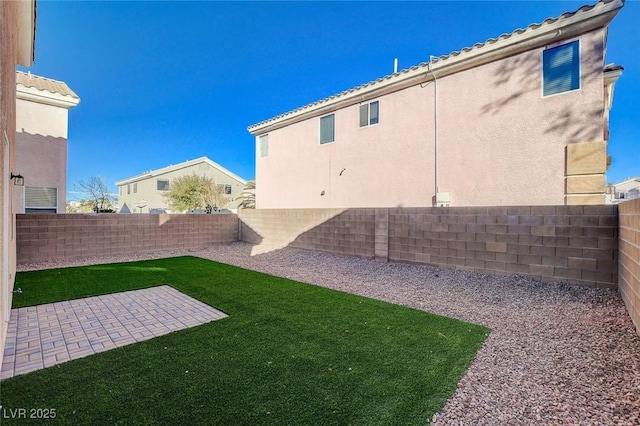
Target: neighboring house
(521, 119)
(42, 109)
(17, 37)
(623, 191)
(145, 193)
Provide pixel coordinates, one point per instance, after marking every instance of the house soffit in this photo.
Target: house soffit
(567, 25)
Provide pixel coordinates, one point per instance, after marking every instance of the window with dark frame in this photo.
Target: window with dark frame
(561, 69)
(369, 113)
(163, 185)
(327, 129)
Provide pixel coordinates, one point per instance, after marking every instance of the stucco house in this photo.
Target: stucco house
(42, 109)
(145, 193)
(17, 32)
(521, 119)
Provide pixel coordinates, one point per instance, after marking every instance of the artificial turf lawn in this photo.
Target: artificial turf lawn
(289, 353)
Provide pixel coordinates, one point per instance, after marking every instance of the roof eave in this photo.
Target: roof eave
(610, 78)
(492, 50)
(168, 169)
(45, 97)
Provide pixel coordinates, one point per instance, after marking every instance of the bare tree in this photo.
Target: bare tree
(96, 193)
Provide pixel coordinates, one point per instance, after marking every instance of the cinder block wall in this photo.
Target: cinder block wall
(350, 233)
(576, 244)
(629, 267)
(65, 236)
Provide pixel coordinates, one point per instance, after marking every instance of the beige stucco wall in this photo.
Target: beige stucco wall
(41, 145)
(385, 164)
(41, 119)
(499, 142)
(147, 188)
(42, 161)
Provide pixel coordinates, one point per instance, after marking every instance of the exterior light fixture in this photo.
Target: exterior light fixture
(18, 180)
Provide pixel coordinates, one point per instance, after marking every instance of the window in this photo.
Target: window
(369, 113)
(327, 128)
(561, 69)
(128, 188)
(225, 189)
(263, 145)
(135, 187)
(40, 200)
(163, 185)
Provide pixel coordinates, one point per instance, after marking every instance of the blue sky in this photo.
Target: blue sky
(165, 82)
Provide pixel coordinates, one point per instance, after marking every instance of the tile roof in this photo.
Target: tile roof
(44, 84)
(184, 164)
(443, 58)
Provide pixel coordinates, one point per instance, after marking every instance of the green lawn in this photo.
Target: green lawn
(289, 353)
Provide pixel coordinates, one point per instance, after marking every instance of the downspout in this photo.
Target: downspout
(435, 129)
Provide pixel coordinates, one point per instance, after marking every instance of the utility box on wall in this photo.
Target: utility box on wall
(443, 199)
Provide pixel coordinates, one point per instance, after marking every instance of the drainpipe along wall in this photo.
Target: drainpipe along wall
(435, 130)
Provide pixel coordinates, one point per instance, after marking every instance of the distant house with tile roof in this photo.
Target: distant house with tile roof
(144, 193)
(626, 190)
(42, 108)
(521, 119)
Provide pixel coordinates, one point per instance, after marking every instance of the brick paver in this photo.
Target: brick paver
(46, 335)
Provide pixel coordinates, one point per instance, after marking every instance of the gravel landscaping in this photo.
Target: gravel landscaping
(556, 354)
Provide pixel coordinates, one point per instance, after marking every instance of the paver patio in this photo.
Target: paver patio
(46, 335)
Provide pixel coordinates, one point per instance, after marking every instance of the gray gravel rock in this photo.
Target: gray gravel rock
(557, 354)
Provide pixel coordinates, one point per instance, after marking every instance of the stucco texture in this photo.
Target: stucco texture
(499, 141)
(8, 59)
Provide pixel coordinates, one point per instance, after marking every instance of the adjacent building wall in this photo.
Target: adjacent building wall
(42, 161)
(629, 268)
(576, 244)
(43, 237)
(41, 140)
(17, 25)
(490, 138)
(141, 194)
(8, 59)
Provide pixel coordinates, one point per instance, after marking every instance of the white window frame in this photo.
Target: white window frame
(368, 105)
(563, 43)
(333, 114)
(42, 208)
